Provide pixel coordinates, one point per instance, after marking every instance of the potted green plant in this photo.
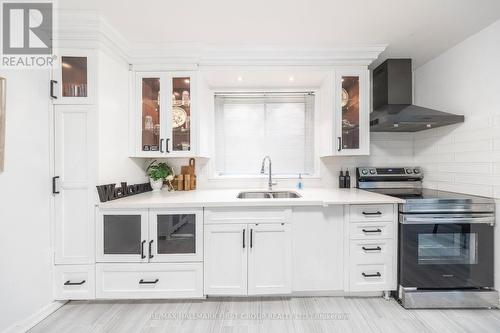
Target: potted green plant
(158, 172)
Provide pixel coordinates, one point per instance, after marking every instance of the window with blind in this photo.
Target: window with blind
(251, 126)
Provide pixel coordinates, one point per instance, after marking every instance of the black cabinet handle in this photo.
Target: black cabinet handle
(368, 231)
(251, 238)
(148, 282)
(69, 283)
(372, 213)
(339, 139)
(52, 82)
(142, 249)
(54, 185)
(166, 146)
(150, 245)
(378, 248)
(243, 238)
(371, 275)
(161, 145)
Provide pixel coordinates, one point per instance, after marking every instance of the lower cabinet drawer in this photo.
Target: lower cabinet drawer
(371, 277)
(152, 280)
(373, 230)
(369, 251)
(74, 282)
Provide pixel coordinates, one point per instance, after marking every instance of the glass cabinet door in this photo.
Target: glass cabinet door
(150, 114)
(181, 114)
(350, 112)
(176, 236)
(352, 117)
(122, 237)
(74, 76)
(72, 81)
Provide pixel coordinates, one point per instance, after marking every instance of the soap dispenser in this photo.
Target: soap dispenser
(341, 179)
(300, 185)
(347, 180)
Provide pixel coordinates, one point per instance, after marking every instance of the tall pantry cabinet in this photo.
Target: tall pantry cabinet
(74, 154)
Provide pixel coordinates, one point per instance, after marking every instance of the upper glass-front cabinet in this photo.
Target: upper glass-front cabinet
(164, 113)
(73, 77)
(352, 126)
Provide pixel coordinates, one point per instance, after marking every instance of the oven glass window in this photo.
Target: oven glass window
(447, 249)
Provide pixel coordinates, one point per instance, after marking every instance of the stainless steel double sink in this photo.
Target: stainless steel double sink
(268, 195)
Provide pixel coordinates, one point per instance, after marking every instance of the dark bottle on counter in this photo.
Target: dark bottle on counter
(341, 179)
(347, 180)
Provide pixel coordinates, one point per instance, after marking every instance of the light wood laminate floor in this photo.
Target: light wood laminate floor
(273, 315)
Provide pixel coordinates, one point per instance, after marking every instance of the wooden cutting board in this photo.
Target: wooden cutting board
(189, 169)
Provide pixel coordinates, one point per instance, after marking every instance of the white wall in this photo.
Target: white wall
(113, 97)
(464, 158)
(25, 279)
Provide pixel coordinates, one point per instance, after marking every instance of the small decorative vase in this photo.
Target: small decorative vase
(156, 185)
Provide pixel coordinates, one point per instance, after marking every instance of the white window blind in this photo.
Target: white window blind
(251, 126)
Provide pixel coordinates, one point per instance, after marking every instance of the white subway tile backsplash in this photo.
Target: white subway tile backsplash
(474, 168)
(473, 189)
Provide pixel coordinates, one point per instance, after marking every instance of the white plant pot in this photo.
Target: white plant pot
(156, 185)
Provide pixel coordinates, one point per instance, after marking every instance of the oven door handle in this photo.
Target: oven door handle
(418, 219)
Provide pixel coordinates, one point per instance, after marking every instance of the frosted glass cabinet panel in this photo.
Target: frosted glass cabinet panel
(176, 235)
(122, 236)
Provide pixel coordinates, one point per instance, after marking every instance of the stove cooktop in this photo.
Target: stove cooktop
(412, 195)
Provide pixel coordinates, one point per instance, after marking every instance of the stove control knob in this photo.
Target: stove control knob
(372, 172)
(364, 172)
(409, 171)
(416, 171)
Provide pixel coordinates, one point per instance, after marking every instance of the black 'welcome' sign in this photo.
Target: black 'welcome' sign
(110, 192)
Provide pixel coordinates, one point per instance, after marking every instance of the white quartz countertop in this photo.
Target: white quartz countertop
(226, 197)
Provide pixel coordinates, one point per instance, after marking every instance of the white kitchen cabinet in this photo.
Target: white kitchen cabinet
(269, 259)
(148, 281)
(74, 282)
(73, 77)
(317, 249)
(371, 235)
(226, 259)
(122, 236)
(73, 184)
(248, 259)
(155, 235)
(247, 251)
(345, 113)
(176, 235)
(164, 115)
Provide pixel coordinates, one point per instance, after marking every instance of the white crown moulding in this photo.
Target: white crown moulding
(87, 29)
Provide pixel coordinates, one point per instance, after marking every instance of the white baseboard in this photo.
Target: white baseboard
(28, 323)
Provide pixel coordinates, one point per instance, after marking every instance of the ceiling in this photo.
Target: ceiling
(418, 29)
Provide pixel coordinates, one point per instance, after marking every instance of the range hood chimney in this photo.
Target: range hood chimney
(393, 109)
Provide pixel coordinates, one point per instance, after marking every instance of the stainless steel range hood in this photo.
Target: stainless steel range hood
(393, 110)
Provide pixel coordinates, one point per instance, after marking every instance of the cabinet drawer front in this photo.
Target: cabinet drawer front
(74, 282)
(373, 230)
(247, 215)
(371, 277)
(171, 280)
(360, 213)
(371, 251)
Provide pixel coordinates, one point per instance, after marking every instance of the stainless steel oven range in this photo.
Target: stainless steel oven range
(445, 250)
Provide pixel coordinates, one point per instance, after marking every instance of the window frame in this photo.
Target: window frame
(214, 176)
